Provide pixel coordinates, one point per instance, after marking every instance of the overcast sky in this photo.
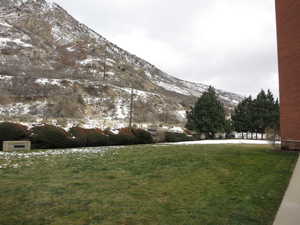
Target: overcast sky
(230, 44)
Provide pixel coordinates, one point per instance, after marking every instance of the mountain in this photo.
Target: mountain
(54, 68)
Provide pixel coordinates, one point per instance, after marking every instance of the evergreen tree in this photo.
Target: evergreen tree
(257, 115)
(274, 122)
(228, 128)
(208, 114)
(264, 112)
(243, 115)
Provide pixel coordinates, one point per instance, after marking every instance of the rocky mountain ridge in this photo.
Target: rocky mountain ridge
(54, 68)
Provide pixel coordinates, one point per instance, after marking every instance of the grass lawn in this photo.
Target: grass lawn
(157, 185)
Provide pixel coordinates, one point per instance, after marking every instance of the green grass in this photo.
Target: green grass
(172, 185)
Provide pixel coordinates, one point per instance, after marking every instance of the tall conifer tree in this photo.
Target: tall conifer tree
(208, 114)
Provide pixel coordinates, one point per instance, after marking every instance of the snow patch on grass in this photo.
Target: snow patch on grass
(20, 159)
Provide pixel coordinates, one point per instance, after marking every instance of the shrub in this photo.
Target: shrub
(177, 137)
(143, 137)
(12, 132)
(88, 137)
(137, 136)
(48, 136)
(122, 139)
(127, 136)
(80, 136)
(126, 131)
(95, 137)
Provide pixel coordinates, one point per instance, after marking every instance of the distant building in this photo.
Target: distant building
(288, 29)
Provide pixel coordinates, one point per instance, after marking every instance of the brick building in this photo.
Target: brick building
(288, 30)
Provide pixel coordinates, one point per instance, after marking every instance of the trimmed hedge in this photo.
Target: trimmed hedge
(138, 136)
(88, 137)
(79, 135)
(95, 137)
(177, 137)
(48, 136)
(122, 139)
(143, 137)
(12, 132)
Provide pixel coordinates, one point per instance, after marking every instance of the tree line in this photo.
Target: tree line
(250, 116)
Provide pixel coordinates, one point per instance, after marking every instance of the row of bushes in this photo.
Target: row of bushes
(177, 137)
(48, 136)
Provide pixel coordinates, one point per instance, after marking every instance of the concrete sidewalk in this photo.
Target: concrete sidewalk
(289, 211)
(227, 141)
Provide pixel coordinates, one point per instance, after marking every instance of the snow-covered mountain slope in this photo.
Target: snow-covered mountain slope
(52, 66)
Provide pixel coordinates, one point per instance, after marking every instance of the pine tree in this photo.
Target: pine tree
(243, 116)
(255, 116)
(208, 114)
(228, 128)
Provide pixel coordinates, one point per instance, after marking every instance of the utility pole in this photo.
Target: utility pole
(104, 64)
(102, 84)
(131, 107)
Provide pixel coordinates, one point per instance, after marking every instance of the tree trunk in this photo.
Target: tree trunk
(242, 135)
(262, 136)
(256, 135)
(251, 136)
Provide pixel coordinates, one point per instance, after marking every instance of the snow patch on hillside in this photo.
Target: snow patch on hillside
(139, 93)
(23, 109)
(172, 88)
(2, 23)
(6, 41)
(6, 78)
(181, 114)
(122, 109)
(45, 81)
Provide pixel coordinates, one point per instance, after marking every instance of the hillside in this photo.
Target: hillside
(52, 67)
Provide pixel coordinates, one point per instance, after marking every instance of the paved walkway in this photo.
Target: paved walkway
(289, 211)
(229, 141)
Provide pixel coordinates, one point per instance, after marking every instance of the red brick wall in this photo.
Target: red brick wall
(288, 29)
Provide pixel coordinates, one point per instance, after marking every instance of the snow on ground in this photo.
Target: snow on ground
(173, 88)
(148, 74)
(209, 142)
(3, 23)
(176, 130)
(6, 78)
(139, 93)
(90, 60)
(45, 81)
(122, 110)
(61, 36)
(92, 100)
(15, 109)
(71, 49)
(20, 159)
(21, 108)
(181, 114)
(194, 88)
(5, 41)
